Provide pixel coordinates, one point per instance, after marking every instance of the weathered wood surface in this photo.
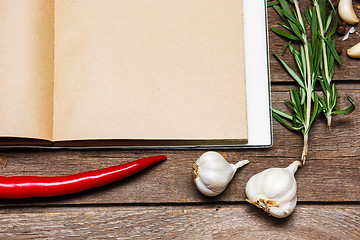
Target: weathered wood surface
(162, 202)
(332, 173)
(241, 221)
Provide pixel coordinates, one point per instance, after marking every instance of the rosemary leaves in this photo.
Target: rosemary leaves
(315, 59)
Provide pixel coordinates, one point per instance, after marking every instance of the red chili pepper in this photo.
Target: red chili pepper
(32, 186)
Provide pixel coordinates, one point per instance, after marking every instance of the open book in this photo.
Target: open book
(125, 73)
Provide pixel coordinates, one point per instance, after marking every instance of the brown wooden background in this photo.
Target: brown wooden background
(162, 202)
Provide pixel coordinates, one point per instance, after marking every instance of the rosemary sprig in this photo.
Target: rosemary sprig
(315, 60)
(329, 55)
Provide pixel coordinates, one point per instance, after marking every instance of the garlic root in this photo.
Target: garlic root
(274, 190)
(347, 13)
(212, 173)
(354, 51)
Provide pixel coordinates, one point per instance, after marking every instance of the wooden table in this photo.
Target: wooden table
(162, 202)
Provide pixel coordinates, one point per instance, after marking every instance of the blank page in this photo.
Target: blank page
(26, 68)
(156, 69)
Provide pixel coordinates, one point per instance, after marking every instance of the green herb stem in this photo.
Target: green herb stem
(315, 60)
(309, 84)
(325, 62)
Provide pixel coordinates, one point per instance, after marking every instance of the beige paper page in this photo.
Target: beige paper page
(26, 68)
(156, 69)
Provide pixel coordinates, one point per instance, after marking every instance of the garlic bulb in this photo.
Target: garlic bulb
(274, 190)
(354, 51)
(346, 12)
(212, 173)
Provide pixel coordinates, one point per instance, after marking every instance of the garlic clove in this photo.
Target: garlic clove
(347, 13)
(283, 210)
(354, 51)
(206, 190)
(212, 173)
(274, 190)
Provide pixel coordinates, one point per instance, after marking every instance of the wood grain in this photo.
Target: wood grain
(332, 173)
(162, 202)
(241, 221)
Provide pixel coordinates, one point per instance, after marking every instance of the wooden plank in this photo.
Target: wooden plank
(242, 221)
(332, 172)
(349, 70)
